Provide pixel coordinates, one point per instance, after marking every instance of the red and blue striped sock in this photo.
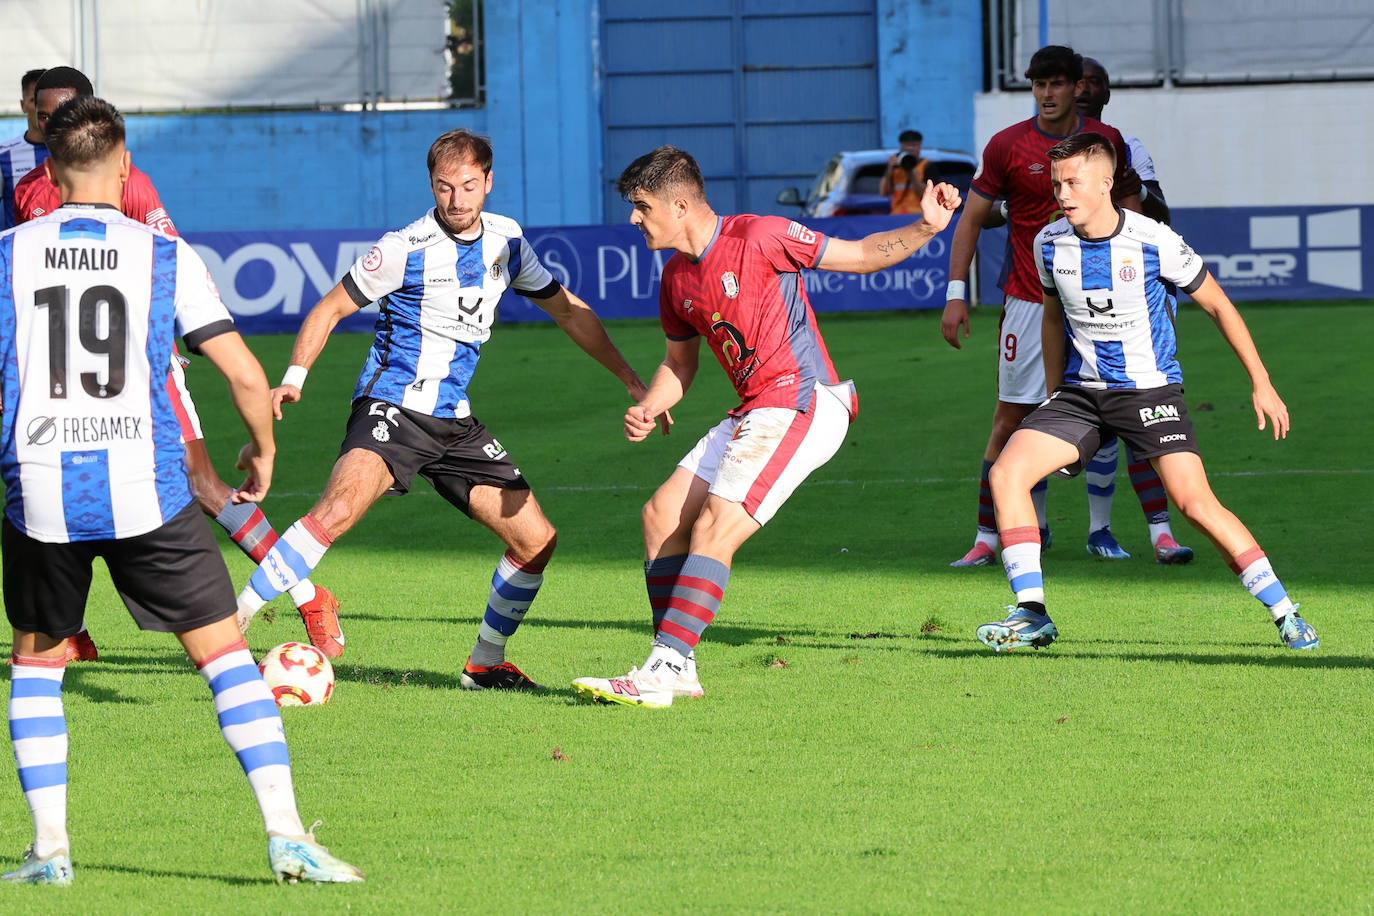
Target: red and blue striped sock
(693, 603)
(659, 576)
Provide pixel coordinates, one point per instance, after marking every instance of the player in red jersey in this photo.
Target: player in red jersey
(244, 522)
(1015, 166)
(736, 282)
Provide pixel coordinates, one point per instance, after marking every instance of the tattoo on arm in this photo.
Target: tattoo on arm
(889, 248)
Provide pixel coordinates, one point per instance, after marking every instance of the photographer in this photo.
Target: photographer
(906, 174)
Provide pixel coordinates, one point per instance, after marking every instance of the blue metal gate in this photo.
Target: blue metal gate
(761, 92)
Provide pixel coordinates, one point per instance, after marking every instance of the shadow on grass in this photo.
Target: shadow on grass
(83, 866)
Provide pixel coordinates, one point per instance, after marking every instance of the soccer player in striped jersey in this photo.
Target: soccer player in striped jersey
(90, 302)
(22, 154)
(244, 522)
(1110, 354)
(735, 282)
(1014, 166)
(438, 282)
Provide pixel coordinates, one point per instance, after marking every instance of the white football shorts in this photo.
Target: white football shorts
(758, 459)
(1020, 366)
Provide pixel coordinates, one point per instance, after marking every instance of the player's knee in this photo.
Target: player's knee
(656, 519)
(1004, 477)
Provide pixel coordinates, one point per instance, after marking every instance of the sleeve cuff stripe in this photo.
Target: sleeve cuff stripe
(201, 334)
(360, 298)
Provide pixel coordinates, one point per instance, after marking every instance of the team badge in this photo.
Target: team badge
(373, 259)
(496, 271)
(730, 282)
(381, 432)
(686, 305)
(1127, 272)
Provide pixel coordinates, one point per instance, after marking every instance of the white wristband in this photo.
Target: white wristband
(957, 289)
(294, 375)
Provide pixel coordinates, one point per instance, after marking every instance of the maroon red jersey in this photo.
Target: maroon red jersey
(1016, 167)
(747, 297)
(36, 195)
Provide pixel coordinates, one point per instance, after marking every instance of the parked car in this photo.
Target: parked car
(849, 182)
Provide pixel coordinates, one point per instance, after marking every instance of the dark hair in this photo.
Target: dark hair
(1055, 60)
(460, 144)
(1106, 77)
(1088, 143)
(64, 78)
(83, 130)
(666, 167)
(913, 136)
(29, 78)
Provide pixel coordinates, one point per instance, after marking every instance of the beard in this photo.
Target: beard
(461, 223)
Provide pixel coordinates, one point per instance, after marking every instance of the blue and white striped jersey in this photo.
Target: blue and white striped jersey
(438, 297)
(18, 157)
(1118, 313)
(90, 446)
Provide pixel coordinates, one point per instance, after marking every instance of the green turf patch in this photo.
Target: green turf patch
(857, 750)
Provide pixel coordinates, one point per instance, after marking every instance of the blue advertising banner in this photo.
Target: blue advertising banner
(1256, 252)
(269, 280)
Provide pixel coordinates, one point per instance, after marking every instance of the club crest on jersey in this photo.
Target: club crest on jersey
(730, 283)
(687, 305)
(495, 271)
(373, 259)
(1127, 272)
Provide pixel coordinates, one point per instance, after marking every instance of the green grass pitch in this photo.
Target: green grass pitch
(857, 750)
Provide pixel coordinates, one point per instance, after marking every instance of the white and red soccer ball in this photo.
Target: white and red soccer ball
(298, 674)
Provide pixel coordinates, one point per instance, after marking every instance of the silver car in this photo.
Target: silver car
(849, 182)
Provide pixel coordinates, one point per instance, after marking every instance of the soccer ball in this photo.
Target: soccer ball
(298, 674)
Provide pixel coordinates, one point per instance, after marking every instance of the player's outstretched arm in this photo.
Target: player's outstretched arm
(579, 322)
(336, 305)
(883, 249)
(961, 249)
(670, 382)
(1213, 300)
(1052, 342)
(252, 399)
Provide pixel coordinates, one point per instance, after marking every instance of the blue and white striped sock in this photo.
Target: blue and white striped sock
(292, 558)
(251, 725)
(1258, 578)
(1021, 559)
(512, 591)
(1100, 476)
(38, 731)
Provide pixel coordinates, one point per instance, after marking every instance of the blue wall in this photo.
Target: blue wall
(323, 170)
(930, 66)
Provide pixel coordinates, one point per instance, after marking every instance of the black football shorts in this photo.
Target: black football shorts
(454, 455)
(1152, 421)
(172, 579)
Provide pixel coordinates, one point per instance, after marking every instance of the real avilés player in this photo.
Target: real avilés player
(93, 466)
(1110, 361)
(438, 281)
(735, 282)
